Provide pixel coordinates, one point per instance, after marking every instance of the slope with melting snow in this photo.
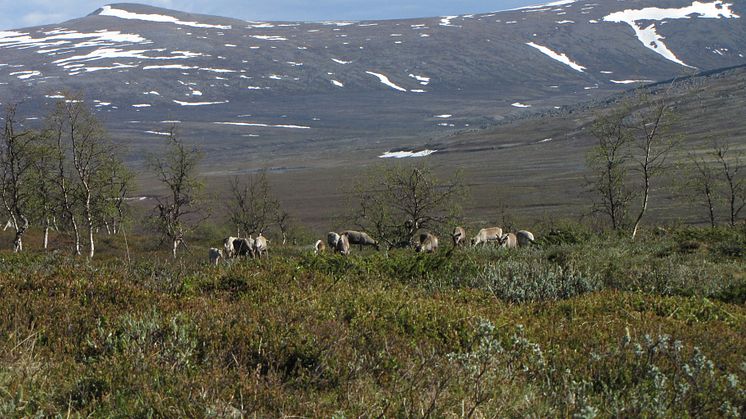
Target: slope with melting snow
(351, 75)
(649, 36)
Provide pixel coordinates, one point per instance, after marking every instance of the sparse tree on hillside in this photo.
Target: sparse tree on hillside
(181, 210)
(652, 145)
(44, 186)
(57, 132)
(703, 183)
(91, 159)
(395, 202)
(16, 166)
(117, 184)
(253, 208)
(85, 161)
(283, 221)
(731, 168)
(608, 161)
(634, 143)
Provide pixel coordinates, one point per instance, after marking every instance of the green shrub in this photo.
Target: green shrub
(567, 234)
(138, 337)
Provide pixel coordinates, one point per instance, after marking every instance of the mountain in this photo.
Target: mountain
(248, 89)
(304, 96)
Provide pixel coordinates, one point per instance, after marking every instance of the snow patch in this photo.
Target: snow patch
(630, 81)
(422, 79)
(406, 154)
(198, 103)
(186, 67)
(385, 80)
(558, 57)
(110, 53)
(269, 37)
(446, 21)
(252, 124)
(124, 14)
(25, 75)
(543, 6)
(260, 25)
(116, 66)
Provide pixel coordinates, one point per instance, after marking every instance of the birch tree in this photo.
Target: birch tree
(634, 144)
(43, 183)
(652, 145)
(395, 202)
(181, 209)
(85, 161)
(703, 184)
(16, 164)
(609, 162)
(58, 130)
(731, 169)
(253, 208)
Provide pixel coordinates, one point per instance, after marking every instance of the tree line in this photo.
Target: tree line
(67, 177)
(637, 145)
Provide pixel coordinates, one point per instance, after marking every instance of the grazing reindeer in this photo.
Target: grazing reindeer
(361, 239)
(458, 236)
(487, 235)
(343, 244)
(428, 243)
(215, 255)
(525, 238)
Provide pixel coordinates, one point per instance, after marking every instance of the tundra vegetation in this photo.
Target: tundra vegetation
(582, 322)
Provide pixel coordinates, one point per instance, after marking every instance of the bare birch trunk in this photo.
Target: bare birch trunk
(91, 246)
(77, 236)
(46, 233)
(176, 246)
(644, 207)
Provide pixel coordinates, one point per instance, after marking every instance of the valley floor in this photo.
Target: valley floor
(531, 167)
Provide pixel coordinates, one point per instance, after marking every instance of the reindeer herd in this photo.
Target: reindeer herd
(236, 247)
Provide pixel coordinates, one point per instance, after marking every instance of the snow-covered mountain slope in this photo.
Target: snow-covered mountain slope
(292, 88)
